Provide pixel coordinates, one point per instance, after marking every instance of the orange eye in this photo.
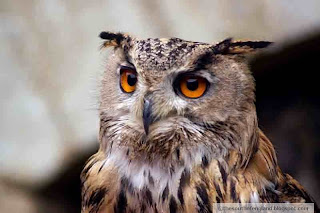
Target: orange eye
(193, 86)
(128, 79)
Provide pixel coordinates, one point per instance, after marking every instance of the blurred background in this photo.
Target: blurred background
(50, 65)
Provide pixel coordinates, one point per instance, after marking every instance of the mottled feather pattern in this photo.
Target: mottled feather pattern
(198, 151)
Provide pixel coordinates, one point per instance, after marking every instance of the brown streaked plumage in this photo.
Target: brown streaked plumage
(161, 151)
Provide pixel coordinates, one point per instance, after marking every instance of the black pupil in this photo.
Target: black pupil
(132, 79)
(192, 84)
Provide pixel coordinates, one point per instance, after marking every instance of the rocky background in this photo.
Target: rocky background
(50, 65)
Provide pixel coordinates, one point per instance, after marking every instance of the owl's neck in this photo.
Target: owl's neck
(231, 145)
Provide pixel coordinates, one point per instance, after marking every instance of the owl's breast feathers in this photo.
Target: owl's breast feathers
(106, 189)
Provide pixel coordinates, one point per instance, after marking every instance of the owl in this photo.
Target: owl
(179, 130)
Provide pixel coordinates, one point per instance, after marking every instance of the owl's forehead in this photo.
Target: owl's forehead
(164, 54)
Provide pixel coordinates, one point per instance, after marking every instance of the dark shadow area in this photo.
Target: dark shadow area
(288, 107)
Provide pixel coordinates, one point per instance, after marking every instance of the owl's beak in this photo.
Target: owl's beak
(147, 116)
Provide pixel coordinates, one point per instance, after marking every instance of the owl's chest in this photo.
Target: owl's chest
(151, 190)
(149, 187)
(138, 186)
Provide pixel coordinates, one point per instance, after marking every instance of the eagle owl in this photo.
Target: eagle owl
(179, 131)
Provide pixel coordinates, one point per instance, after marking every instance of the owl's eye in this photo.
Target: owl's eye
(128, 79)
(192, 86)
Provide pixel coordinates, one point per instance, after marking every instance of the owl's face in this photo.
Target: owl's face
(160, 95)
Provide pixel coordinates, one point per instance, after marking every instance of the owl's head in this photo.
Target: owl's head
(162, 97)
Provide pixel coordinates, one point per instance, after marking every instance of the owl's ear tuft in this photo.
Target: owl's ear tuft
(240, 47)
(113, 39)
(222, 47)
(228, 46)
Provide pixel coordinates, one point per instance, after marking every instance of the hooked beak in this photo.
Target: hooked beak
(147, 116)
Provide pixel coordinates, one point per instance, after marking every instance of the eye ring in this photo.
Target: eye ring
(128, 79)
(191, 86)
